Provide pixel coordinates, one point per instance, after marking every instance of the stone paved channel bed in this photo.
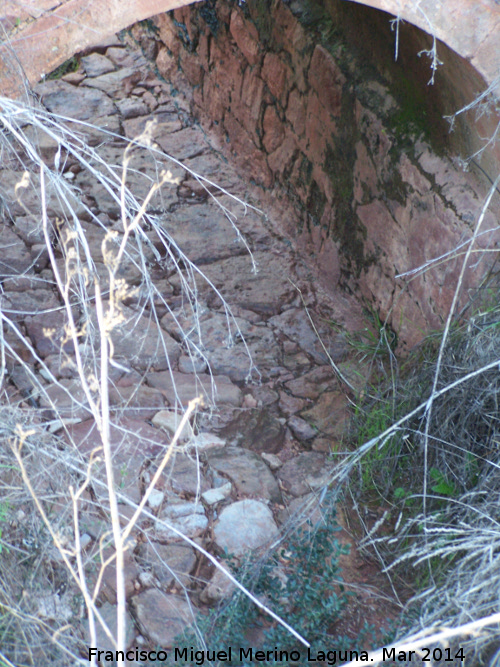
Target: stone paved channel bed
(274, 407)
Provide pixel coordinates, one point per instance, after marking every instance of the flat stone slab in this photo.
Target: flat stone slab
(312, 384)
(96, 64)
(295, 324)
(305, 473)
(182, 388)
(108, 613)
(132, 443)
(243, 526)
(169, 562)
(248, 472)
(330, 414)
(183, 476)
(256, 429)
(81, 103)
(161, 617)
(186, 517)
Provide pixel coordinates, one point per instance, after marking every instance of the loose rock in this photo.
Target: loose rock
(249, 474)
(244, 526)
(161, 617)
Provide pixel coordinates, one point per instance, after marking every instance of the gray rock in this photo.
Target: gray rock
(120, 56)
(29, 231)
(48, 323)
(187, 518)
(40, 256)
(257, 430)
(161, 617)
(107, 590)
(264, 292)
(330, 414)
(169, 421)
(131, 108)
(184, 477)
(213, 496)
(95, 64)
(203, 232)
(272, 460)
(295, 324)
(312, 384)
(192, 364)
(291, 404)
(19, 305)
(139, 402)
(244, 526)
(169, 562)
(66, 399)
(203, 441)
(301, 429)
(140, 342)
(305, 473)
(182, 388)
(155, 499)
(302, 510)
(180, 509)
(115, 84)
(220, 587)
(264, 395)
(14, 255)
(133, 442)
(166, 123)
(108, 613)
(64, 99)
(248, 472)
(184, 144)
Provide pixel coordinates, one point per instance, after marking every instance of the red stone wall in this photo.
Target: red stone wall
(340, 139)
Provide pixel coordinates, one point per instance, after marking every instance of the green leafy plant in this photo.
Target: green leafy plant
(301, 582)
(441, 484)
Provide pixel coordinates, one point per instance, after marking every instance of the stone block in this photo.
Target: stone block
(191, 66)
(319, 127)
(250, 159)
(166, 63)
(168, 33)
(296, 112)
(246, 36)
(278, 76)
(282, 159)
(252, 92)
(213, 107)
(274, 132)
(326, 79)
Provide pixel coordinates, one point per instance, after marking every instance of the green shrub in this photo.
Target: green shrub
(300, 581)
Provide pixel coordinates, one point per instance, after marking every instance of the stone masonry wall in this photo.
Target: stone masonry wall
(351, 149)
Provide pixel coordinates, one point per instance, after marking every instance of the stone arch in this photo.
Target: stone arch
(344, 223)
(43, 37)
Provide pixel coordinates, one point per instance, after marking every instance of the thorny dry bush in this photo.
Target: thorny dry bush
(47, 576)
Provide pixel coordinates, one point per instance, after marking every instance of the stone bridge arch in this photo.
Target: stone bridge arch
(47, 32)
(316, 146)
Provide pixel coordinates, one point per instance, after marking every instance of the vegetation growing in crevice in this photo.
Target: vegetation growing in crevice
(301, 581)
(70, 65)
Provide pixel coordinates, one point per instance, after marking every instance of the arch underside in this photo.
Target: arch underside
(42, 39)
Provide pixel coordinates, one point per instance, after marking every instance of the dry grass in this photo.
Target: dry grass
(435, 460)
